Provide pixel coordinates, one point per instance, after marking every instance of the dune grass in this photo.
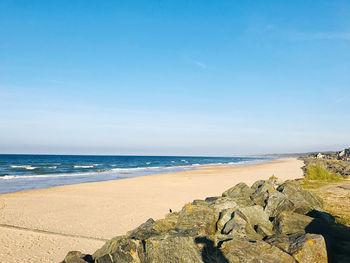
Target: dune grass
(317, 171)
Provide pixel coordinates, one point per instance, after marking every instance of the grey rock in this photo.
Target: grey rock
(261, 194)
(172, 248)
(225, 216)
(144, 231)
(304, 201)
(256, 217)
(257, 184)
(223, 203)
(309, 248)
(120, 249)
(239, 226)
(242, 250)
(77, 257)
(239, 190)
(200, 218)
(291, 223)
(276, 203)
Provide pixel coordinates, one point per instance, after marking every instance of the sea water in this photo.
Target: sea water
(25, 172)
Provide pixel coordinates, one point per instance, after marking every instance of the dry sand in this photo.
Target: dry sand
(43, 225)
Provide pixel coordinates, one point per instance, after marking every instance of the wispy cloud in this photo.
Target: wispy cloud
(196, 62)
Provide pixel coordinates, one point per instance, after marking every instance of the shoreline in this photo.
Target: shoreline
(189, 169)
(110, 208)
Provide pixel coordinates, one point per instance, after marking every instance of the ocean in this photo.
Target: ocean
(26, 172)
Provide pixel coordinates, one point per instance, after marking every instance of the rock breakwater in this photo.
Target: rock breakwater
(270, 221)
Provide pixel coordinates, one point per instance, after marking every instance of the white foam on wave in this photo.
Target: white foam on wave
(27, 167)
(148, 163)
(52, 167)
(120, 171)
(7, 177)
(83, 166)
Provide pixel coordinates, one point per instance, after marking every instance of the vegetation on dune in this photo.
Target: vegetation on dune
(317, 171)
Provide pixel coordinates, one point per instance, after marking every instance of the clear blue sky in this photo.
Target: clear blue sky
(174, 77)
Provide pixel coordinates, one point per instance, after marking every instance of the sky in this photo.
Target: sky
(184, 77)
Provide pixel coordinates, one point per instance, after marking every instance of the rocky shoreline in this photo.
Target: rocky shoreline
(271, 221)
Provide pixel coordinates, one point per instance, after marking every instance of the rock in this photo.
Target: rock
(107, 258)
(242, 250)
(239, 190)
(304, 201)
(163, 225)
(256, 217)
(77, 257)
(261, 194)
(239, 226)
(281, 241)
(172, 248)
(309, 248)
(223, 203)
(263, 231)
(200, 202)
(276, 203)
(211, 199)
(120, 249)
(225, 216)
(144, 231)
(345, 186)
(242, 201)
(200, 218)
(209, 248)
(304, 248)
(257, 184)
(291, 223)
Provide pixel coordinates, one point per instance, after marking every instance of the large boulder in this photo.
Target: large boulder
(303, 247)
(291, 223)
(238, 190)
(304, 201)
(200, 218)
(281, 241)
(257, 218)
(243, 250)
(143, 231)
(77, 257)
(261, 194)
(121, 250)
(223, 203)
(309, 248)
(163, 225)
(239, 226)
(225, 216)
(175, 248)
(276, 203)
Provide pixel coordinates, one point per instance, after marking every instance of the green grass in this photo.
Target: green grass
(317, 171)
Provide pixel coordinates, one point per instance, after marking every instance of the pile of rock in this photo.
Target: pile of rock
(267, 222)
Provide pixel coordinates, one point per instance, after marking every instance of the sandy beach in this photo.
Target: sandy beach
(43, 225)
